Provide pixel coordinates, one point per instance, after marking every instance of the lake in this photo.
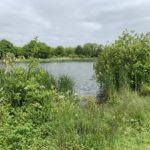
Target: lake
(81, 72)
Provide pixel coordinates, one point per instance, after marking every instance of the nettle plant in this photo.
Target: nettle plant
(126, 62)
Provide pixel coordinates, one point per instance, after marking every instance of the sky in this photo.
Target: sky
(71, 22)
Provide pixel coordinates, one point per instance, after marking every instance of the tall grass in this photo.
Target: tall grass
(123, 125)
(65, 83)
(34, 115)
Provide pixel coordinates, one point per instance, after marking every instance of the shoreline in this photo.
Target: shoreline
(57, 59)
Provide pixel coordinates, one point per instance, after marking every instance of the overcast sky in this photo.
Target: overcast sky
(71, 22)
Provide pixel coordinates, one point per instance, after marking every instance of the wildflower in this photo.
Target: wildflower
(42, 87)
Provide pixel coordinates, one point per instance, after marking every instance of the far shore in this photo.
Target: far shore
(54, 59)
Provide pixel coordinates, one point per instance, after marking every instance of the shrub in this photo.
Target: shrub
(145, 90)
(23, 86)
(126, 62)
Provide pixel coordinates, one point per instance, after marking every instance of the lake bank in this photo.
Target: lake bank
(54, 59)
(80, 71)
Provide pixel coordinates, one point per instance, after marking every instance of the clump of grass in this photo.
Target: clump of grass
(109, 126)
(65, 83)
(145, 90)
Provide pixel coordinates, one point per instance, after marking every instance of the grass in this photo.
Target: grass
(112, 126)
(65, 83)
(121, 125)
(34, 115)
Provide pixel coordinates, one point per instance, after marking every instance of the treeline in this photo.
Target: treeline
(38, 49)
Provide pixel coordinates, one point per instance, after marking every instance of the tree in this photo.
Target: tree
(31, 48)
(43, 51)
(37, 49)
(79, 50)
(6, 47)
(59, 51)
(126, 62)
(18, 51)
(69, 51)
(92, 49)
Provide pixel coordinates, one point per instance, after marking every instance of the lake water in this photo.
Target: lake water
(81, 72)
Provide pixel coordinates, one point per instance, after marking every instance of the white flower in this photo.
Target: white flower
(42, 87)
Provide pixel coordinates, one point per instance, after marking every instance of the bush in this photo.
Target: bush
(23, 86)
(126, 62)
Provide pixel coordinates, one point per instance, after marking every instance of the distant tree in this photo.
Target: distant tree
(98, 50)
(31, 48)
(79, 50)
(91, 49)
(88, 49)
(69, 51)
(43, 51)
(18, 51)
(59, 51)
(6, 47)
(37, 49)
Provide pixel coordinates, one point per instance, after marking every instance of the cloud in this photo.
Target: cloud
(91, 26)
(71, 22)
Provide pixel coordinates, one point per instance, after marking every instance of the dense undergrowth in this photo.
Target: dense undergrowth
(41, 112)
(125, 63)
(35, 114)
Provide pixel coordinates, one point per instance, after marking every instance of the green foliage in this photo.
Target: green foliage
(69, 52)
(92, 49)
(79, 50)
(6, 47)
(19, 52)
(31, 83)
(38, 49)
(126, 62)
(65, 84)
(119, 125)
(38, 112)
(89, 50)
(145, 89)
(59, 51)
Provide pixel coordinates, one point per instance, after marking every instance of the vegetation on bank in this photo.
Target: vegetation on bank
(54, 59)
(125, 63)
(38, 111)
(38, 49)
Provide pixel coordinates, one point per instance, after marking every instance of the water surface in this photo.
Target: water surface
(81, 72)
